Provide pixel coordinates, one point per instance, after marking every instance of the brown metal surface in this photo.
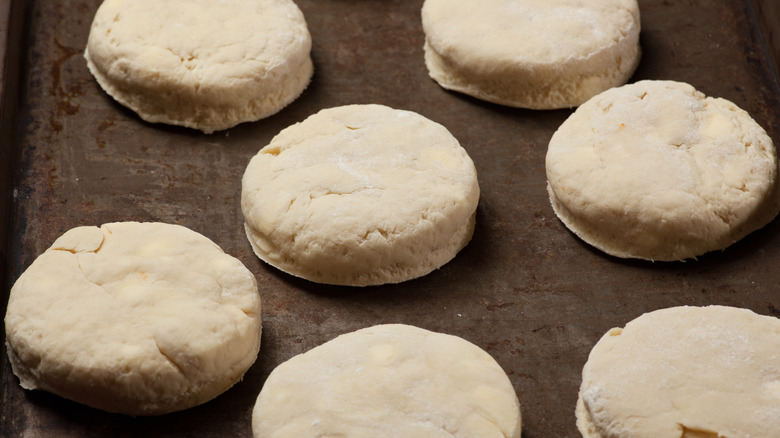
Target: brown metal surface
(525, 289)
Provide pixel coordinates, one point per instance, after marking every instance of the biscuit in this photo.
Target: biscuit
(389, 381)
(684, 372)
(537, 54)
(657, 171)
(201, 64)
(360, 195)
(133, 318)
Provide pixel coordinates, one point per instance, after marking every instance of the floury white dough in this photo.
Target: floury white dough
(690, 372)
(207, 65)
(656, 170)
(389, 381)
(133, 318)
(360, 195)
(537, 54)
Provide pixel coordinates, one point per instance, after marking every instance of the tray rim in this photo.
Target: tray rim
(12, 24)
(759, 13)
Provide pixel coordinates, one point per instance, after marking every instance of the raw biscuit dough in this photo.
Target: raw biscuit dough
(690, 372)
(389, 381)
(360, 195)
(538, 54)
(655, 170)
(134, 318)
(203, 64)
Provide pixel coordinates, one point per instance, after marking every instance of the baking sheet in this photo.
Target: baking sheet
(525, 289)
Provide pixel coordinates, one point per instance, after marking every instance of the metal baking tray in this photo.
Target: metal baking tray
(525, 289)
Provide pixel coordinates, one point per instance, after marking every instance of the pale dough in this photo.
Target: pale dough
(202, 64)
(538, 54)
(690, 372)
(134, 318)
(391, 381)
(655, 170)
(360, 195)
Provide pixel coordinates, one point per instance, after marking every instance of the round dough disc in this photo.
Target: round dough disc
(360, 195)
(389, 381)
(208, 65)
(538, 54)
(684, 372)
(134, 318)
(657, 171)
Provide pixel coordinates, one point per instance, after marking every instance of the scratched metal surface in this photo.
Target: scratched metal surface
(525, 289)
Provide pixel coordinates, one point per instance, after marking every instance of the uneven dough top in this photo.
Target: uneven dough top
(654, 163)
(338, 189)
(214, 45)
(151, 311)
(389, 381)
(674, 372)
(525, 31)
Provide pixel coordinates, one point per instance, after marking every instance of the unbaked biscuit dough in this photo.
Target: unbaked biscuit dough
(538, 54)
(202, 64)
(657, 171)
(360, 195)
(690, 372)
(134, 318)
(394, 381)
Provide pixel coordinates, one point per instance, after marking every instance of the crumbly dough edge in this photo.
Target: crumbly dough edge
(30, 379)
(584, 422)
(153, 107)
(764, 215)
(389, 274)
(541, 86)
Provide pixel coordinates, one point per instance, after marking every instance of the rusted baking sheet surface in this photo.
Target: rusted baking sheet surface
(525, 289)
